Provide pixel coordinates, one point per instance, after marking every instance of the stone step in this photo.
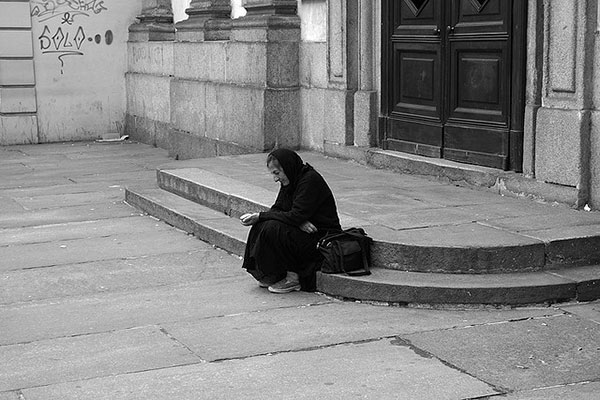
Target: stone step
(384, 285)
(455, 248)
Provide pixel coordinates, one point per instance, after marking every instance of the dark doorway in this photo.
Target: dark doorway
(453, 79)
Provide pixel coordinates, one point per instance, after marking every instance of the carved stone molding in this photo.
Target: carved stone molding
(208, 20)
(155, 22)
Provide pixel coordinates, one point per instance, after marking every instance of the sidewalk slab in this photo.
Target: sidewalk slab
(104, 312)
(378, 370)
(521, 355)
(118, 275)
(79, 358)
(43, 255)
(579, 391)
(294, 329)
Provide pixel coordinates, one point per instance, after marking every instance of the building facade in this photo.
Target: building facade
(504, 84)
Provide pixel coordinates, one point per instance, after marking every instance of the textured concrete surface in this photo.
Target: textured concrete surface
(163, 315)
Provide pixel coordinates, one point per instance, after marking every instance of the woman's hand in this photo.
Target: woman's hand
(308, 227)
(249, 219)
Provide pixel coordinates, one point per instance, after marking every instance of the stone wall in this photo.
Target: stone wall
(274, 77)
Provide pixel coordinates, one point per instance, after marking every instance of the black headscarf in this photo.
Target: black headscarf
(292, 166)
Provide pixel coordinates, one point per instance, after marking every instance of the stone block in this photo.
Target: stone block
(188, 106)
(282, 118)
(365, 118)
(18, 129)
(203, 61)
(338, 124)
(282, 64)
(558, 146)
(16, 72)
(150, 57)
(16, 43)
(15, 15)
(147, 131)
(17, 100)
(247, 63)
(236, 114)
(313, 64)
(313, 118)
(183, 146)
(149, 96)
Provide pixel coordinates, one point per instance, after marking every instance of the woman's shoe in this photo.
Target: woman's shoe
(285, 286)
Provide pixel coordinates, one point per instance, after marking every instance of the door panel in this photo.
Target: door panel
(417, 92)
(479, 83)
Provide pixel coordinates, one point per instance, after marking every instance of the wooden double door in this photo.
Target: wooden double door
(453, 79)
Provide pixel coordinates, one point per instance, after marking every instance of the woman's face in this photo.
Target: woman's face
(278, 174)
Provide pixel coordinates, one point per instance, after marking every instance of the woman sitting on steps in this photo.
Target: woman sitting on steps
(281, 251)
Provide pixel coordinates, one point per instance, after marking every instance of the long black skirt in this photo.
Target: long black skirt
(273, 248)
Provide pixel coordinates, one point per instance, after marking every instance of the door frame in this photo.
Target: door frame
(517, 83)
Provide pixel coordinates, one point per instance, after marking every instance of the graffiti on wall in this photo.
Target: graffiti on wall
(61, 35)
(69, 9)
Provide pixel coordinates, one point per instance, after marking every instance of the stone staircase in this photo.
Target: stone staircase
(434, 243)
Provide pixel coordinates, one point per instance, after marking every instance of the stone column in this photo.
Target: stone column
(155, 22)
(270, 34)
(208, 20)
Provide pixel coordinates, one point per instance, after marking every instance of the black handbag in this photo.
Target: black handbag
(348, 251)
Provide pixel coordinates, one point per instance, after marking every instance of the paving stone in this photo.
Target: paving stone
(583, 391)
(384, 369)
(549, 221)
(113, 311)
(81, 229)
(9, 206)
(521, 355)
(67, 214)
(117, 275)
(9, 396)
(83, 357)
(590, 311)
(112, 247)
(71, 199)
(293, 329)
(449, 195)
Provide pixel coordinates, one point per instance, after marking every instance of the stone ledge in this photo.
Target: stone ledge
(493, 289)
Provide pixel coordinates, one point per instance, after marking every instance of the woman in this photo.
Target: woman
(281, 252)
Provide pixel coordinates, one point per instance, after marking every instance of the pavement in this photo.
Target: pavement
(101, 301)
